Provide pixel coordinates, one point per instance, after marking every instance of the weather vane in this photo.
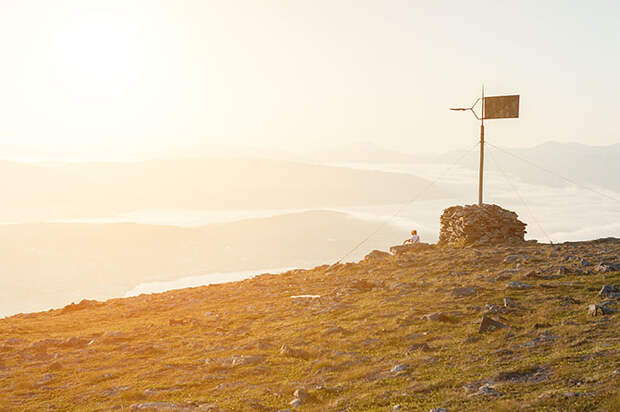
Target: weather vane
(493, 107)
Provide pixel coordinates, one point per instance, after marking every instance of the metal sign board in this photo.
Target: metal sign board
(501, 107)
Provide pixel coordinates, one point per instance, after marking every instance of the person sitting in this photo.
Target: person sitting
(414, 238)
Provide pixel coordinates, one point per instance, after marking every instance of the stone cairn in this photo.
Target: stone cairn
(480, 225)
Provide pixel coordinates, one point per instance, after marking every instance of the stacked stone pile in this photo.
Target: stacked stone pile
(474, 224)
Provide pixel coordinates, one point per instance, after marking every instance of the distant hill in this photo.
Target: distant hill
(363, 152)
(584, 164)
(45, 265)
(72, 190)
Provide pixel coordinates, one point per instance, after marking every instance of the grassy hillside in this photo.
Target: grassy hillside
(392, 332)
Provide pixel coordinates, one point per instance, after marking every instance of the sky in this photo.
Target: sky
(157, 76)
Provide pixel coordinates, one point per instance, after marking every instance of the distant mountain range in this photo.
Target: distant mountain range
(551, 163)
(584, 164)
(34, 192)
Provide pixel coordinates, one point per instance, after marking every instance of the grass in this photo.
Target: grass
(553, 357)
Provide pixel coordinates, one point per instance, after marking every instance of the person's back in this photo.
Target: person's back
(414, 238)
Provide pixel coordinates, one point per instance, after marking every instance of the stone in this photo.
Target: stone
(488, 324)
(515, 258)
(510, 303)
(605, 267)
(463, 292)
(609, 291)
(240, 360)
(519, 285)
(487, 390)
(438, 410)
(296, 402)
(491, 308)
(286, 350)
(605, 308)
(480, 225)
(398, 368)
(301, 394)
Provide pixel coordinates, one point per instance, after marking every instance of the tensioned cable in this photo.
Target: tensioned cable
(420, 193)
(520, 197)
(554, 173)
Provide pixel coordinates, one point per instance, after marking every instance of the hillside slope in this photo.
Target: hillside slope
(392, 332)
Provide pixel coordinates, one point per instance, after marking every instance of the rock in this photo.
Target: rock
(172, 407)
(510, 303)
(609, 291)
(438, 410)
(585, 263)
(286, 350)
(84, 304)
(478, 225)
(241, 360)
(398, 368)
(463, 292)
(295, 402)
(515, 258)
(491, 308)
(301, 394)
(362, 285)
(518, 285)
(488, 324)
(487, 390)
(605, 267)
(605, 308)
(377, 256)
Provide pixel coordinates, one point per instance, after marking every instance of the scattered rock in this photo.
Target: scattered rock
(509, 303)
(491, 308)
(518, 285)
(487, 390)
(438, 410)
(296, 402)
(84, 304)
(301, 394)
(241, 360)
(463, 292)
(488, 324)
(604, 308)
(609, 291)
(286, 350)
(605, 267)
(515, 258)
(398, 368)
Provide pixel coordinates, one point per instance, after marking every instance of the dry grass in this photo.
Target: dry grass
(342, 346)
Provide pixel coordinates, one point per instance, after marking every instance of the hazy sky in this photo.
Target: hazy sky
(156, 75)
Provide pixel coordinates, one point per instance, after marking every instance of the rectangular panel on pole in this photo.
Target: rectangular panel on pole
(501, 107)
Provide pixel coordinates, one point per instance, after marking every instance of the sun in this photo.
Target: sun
(96, 56)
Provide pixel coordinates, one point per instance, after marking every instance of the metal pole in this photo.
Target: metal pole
(481, 152)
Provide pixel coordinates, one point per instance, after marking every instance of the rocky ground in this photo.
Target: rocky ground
(531, 327)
